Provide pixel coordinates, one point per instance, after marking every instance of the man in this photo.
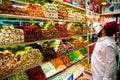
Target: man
(103, 60)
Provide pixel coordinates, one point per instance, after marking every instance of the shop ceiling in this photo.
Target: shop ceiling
(99, 2)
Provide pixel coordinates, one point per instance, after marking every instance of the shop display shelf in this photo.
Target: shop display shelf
(34, 18)
(85, 57)
(23, 18)
(33, 42)
(49, 78)
(2, 78)
(26, 43)
(20, 2)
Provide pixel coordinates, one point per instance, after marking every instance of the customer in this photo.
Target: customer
(103, 60)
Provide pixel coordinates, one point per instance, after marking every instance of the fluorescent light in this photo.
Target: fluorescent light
(103, 3)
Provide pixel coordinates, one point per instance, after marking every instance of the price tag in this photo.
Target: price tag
(0, 1)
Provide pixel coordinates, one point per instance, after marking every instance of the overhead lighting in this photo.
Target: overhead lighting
(103, 3)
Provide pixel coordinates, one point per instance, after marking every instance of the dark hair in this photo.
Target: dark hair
(108, 33)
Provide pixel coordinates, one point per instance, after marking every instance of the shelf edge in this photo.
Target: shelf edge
(67, 68)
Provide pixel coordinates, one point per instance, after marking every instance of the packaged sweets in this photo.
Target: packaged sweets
(35, 73)
(66, 60)
(73, 57)
(78, 54)
(59, 65)
(58, 78)
(48, 69)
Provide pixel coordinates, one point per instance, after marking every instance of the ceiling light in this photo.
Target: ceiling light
(103, 3)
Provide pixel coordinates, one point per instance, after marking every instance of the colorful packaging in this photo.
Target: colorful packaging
(59, 65)
(66, 60)
(63, 13)
(70, 77)
(76, 44)
(81, 3)
(68, 1)
(64, 75)
(35, 73)
(68, 46)
(59, 47)
(58, 78)
(62, 30)
(78, 54)
(48, 69)
(72, 70)
(74, 3)
(73, 57)
(82, 78)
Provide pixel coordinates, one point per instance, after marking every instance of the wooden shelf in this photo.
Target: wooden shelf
(34, 18)
(33, 42)
(114, 13)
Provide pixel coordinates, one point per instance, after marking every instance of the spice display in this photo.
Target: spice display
(11, 35)
(62, 30)
(51, 11)
(35, 73)
(32, 33)
(48, 69)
